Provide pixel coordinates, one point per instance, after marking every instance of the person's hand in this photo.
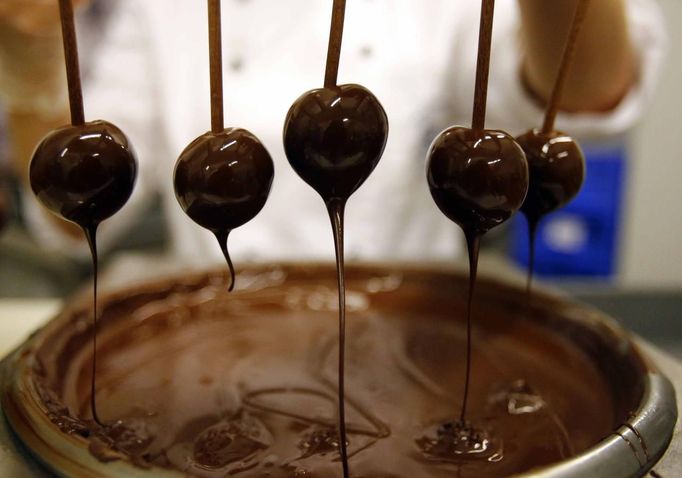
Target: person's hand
(31, 57)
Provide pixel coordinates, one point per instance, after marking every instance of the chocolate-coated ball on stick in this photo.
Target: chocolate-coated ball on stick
(557, 169)
(333, 138)
(83, 172)
(478, 178)
(223, 178)
(222, 181)
(555, 160)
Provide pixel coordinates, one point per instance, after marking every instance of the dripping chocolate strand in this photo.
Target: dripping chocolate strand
(334, 48)
(336, 207)
(91, 235)
(478, 124)
(473, 246)
(78, 118)
(71, 58)
(216, 65)
(485, 37)
(222, 237)
(532, 229)
(565, 66)
(326, 130)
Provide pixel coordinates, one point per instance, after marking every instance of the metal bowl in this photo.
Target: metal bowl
(643, 398)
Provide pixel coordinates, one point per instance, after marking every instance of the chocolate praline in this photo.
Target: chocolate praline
(557, 169)
(334, 138)
(222, 180)
(478, 179)
(84, 173)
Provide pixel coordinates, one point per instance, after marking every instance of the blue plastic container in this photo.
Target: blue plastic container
(581, 239)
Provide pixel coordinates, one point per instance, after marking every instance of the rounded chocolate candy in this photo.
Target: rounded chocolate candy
(557, 168)
(334, 138)
(477, 178)
(84, 173)
(222, 180)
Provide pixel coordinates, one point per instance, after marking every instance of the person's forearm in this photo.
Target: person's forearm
(603, 68)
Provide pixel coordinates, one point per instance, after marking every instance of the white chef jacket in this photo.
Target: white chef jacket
(150, 77)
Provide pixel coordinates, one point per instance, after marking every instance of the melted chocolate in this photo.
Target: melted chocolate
(85, 174)
(334, 138)
(222, 181)
(248, 381)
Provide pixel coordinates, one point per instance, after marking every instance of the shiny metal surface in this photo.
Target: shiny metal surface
(633, 449)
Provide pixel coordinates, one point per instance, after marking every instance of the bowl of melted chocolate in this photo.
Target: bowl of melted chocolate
(194, 381)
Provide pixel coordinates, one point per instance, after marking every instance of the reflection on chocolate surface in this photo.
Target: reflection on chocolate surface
(211, 384)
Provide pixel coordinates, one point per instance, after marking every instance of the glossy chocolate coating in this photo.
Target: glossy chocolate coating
(223, 180)
(556, 166)
(334, 138)
(477, 178)
(84, 173)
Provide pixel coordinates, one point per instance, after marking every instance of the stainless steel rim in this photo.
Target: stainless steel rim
(634, 448)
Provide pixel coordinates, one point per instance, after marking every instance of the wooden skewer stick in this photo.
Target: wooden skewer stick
(564, 68)
(334, 48)
(73, 77)
(485, 36)
(215, 52)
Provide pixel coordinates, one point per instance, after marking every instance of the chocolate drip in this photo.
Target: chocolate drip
(222, 237)
(532, 229)
(478, 178)
(336, 209)
(473, 246)
(91, 236)
(85, 174)
(334, 138)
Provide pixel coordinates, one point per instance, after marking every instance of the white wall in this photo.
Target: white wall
(651, 254)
